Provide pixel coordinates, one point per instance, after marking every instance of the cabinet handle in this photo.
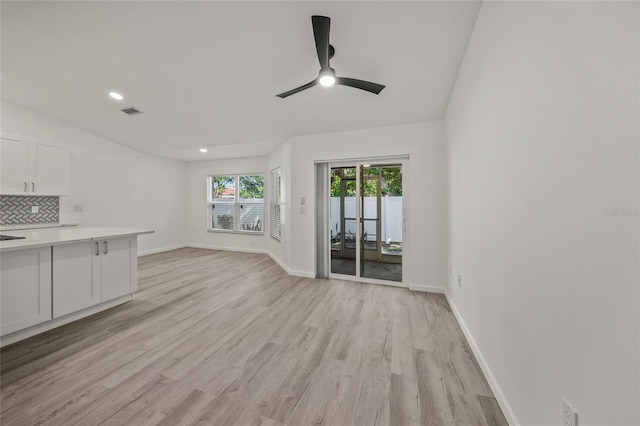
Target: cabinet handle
(25, 187)
(33, 187)
(105, 248)
(97, 248)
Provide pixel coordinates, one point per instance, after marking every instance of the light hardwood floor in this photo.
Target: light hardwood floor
(227, 338)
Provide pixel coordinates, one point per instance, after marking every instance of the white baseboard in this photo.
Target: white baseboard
(238, 249)
(300, 273)
(412, 287)
(426, 288)
(161, 250)
(486, 370)
(289, 270)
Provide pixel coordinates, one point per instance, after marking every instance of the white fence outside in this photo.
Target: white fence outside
(391, 218)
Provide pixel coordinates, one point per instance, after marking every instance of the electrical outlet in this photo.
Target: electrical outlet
(34, 209)
(459, 280)
(569, 416)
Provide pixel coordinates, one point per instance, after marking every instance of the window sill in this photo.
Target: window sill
(231, 231)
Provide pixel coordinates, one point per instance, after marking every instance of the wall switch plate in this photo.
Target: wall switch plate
(34, 209)
(459, 280)
(78, 207)
(569, 415)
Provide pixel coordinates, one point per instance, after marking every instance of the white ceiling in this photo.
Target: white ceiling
(206, 73)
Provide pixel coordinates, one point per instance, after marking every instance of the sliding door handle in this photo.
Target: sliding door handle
(97, 248)
(105, 248)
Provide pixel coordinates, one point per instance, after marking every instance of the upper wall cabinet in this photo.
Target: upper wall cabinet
(30, 167)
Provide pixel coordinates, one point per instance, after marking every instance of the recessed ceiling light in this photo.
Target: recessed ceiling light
(116, 95)
(203, 149)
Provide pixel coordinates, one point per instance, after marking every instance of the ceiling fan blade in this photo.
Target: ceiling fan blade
(321, 26)
(298, 89)
(360, 84)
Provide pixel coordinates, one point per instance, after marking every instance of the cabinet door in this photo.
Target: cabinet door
(49, 170)
(25, 288)
(75, 286)
(118, 269)
(14, 172)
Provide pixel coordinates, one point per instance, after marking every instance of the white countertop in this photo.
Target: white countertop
(64, 235)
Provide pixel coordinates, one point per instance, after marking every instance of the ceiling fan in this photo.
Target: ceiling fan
(327, 75)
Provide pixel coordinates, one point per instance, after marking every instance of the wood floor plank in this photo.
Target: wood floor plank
(402, 361)
(421, 335)
(432, 393)
(403, 400)
(491, 410)
(320, 398)
(208, 340)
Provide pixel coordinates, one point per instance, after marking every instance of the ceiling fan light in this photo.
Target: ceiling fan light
(327, 80)
(327, 77)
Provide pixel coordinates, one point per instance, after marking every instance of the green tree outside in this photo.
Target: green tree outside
(220, 183)
(252, 187)
(391, 183)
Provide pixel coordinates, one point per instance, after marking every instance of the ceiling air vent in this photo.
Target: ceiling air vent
(132, 111)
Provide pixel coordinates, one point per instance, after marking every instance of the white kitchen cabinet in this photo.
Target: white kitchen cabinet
(30, 167)
(25, 288)
(48, 169)
(14, 166)
(74, 287)
(91, 272)
(118, 266)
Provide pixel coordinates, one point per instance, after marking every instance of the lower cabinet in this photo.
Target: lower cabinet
(118, 267)
(88, 273)
(25, 288)
(74, 286)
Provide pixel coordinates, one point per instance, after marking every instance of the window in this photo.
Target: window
(236, 203)
(276, 204)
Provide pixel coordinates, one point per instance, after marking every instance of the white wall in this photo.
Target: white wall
(116, 186)
(425, 242)
(197, 218)
(543, 139)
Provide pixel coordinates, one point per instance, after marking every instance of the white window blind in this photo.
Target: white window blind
(276, 204)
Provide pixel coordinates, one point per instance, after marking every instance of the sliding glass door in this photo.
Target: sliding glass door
(366, 221)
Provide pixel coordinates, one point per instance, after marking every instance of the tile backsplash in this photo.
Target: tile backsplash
(16, 209)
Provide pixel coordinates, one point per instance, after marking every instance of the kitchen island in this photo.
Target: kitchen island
(53, 276)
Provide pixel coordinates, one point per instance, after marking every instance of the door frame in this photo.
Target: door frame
(403, 161)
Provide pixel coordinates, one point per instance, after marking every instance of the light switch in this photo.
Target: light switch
(302, 201)
(34, 209)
